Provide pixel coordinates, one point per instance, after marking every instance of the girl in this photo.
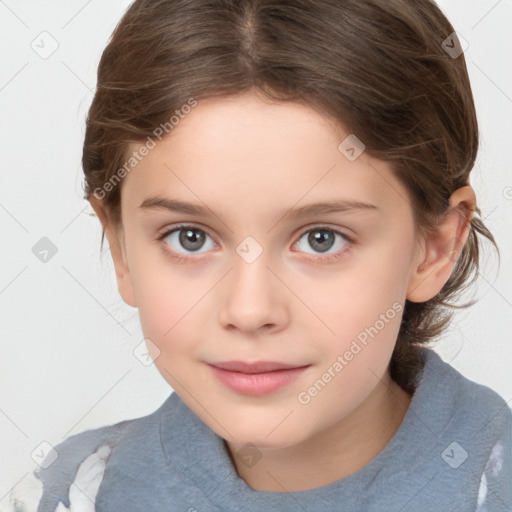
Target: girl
(285, 191)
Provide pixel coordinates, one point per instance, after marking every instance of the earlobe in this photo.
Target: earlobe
(117, 251)
(439, 254)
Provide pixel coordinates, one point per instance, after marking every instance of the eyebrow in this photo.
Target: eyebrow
(321, 208)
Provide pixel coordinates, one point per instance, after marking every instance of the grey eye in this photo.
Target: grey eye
(321, 240)
(190, 239)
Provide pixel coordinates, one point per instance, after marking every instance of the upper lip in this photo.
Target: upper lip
(254, 367)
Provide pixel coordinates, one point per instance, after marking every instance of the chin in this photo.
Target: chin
(259, 438)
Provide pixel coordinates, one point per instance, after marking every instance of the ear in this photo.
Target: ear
(115, 237)
(438, 256)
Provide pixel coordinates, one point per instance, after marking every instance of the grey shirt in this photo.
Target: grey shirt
(452, 453)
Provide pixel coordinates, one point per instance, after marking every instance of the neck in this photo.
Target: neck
(334, 453)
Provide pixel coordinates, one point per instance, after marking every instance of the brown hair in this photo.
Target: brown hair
(377, 67)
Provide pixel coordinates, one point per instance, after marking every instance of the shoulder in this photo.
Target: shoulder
(70, 475)
(477, 404)
(475, 423)
(70, 472)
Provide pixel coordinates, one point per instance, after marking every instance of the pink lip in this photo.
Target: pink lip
(255, 379)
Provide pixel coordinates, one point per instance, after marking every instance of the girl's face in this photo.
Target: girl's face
(250, 236)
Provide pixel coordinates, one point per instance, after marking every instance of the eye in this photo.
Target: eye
(187, 239)
(322, 240)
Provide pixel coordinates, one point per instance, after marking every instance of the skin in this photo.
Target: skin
(250, 161)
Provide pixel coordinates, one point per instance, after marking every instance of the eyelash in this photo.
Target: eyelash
(315, 259)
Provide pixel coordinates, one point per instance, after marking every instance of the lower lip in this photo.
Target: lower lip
(257, 384)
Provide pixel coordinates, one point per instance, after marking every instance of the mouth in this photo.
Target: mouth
(258, 378)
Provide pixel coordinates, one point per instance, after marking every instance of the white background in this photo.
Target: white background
(66, 360)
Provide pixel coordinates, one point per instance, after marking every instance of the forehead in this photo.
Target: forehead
(252, 153)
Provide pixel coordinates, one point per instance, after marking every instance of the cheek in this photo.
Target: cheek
(167, 319)
(355, 298)
(353, 361)
(165, 296)
(363, 305)
(167, 311)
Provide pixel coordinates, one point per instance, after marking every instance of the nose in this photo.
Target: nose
(253, 299)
